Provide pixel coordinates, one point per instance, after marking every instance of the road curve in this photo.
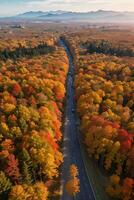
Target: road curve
(71, 147)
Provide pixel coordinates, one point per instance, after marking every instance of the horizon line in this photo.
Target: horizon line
(35, 11)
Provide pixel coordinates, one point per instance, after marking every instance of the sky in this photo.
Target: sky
(13, 7)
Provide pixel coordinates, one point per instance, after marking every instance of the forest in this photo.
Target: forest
(104, 93)
(19, 52)
(32, 91)
(105, 47)
(66, 96)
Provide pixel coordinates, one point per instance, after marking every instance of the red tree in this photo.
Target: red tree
(12, 169)
(16, 89)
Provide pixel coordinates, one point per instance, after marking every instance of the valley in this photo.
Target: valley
(66, 111)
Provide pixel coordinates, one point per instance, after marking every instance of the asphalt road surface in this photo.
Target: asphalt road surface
(71, 147)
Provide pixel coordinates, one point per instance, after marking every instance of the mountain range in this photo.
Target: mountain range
(92, 16)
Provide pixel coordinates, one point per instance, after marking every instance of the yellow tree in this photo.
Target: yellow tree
(72, 186)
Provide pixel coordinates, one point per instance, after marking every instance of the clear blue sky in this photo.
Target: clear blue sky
(12, 7)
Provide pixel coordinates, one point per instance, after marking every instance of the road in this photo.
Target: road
(71, 147)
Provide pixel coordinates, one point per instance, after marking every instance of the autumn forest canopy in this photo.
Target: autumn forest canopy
(33, 91)
(104, 93)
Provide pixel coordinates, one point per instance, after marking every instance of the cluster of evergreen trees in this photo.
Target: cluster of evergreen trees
(106, 47)
(26, 52)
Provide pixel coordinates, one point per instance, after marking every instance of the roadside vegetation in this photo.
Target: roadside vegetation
(104, 87)
(32, 92)
(73, 185)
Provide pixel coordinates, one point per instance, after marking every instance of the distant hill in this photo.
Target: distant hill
(93, 16)
(30, 15)
(38, 14)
